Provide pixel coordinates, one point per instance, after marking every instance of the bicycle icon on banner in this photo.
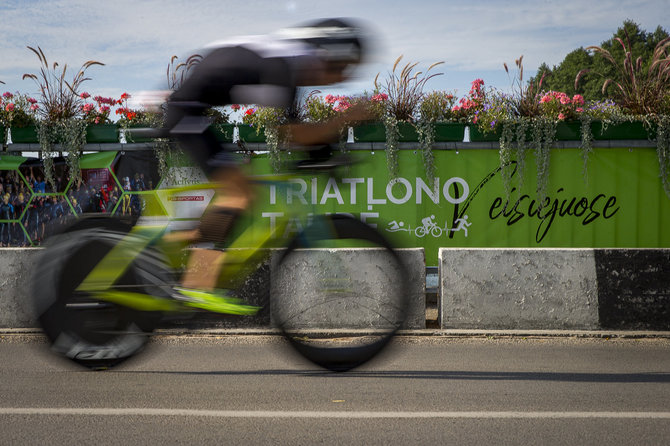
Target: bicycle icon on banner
(429, 226)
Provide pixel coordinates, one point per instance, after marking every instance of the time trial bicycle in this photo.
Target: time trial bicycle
(336, 289)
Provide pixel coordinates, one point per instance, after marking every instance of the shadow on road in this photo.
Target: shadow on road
(448, 375)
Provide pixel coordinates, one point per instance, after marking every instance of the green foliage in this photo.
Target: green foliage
(561, 77)
(318, 109)
(270, 119)
(436, 106)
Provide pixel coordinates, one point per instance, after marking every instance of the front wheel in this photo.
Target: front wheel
(339, 293)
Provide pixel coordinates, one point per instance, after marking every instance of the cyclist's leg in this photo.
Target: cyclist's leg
(232, 198)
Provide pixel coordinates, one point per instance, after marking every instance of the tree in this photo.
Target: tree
(562, 76)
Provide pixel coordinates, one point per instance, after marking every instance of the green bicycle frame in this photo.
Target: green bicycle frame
(244, 255)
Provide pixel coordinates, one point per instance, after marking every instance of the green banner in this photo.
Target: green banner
(618, 202)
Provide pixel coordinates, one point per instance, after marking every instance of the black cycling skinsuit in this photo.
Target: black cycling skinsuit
(260, 73)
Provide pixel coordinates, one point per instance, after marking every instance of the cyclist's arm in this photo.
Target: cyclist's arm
(319, 133)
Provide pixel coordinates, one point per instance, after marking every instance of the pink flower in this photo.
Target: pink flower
(10, 107)
(85, 95)
(87, 108)
(32, 100)
(545, 99)
(455, 108)
(565, 100)
(380, 97)
(97, 120)
(34, 107)
(235, 107)
(578, 99)
(330, 99)
(579, 110)
(7, 95)
(561, 116)
(104, 109)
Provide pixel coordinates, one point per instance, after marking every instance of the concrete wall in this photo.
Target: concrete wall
(626, 289)
(16, 308)
(16, 266)
(349, 288)
(518, 288)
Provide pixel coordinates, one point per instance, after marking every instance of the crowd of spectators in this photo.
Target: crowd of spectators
(45, 213)
(14, 197)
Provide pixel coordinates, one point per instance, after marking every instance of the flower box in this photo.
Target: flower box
(377, 132)
(565, 131)
(622, 130)
(130, 139)
(449, 132)
(223, 132)
(248, 133)
(477, 135)
(569, 131)
(102, 133)
(24, 135)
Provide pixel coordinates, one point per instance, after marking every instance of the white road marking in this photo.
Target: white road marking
(323, 414)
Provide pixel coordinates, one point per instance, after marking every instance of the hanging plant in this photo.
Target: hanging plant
(269, 119)
(426, 132)
(521, 145)
(663, 150)
(403, 90)
(392, 137)
(543, 131)
(506, 152)
(60, 112)
(586, 145)
(73, 137)
(436, 106)
(47, 137)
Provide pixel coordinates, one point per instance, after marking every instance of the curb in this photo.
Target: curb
(455, 333)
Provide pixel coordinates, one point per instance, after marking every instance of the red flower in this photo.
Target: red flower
(85, 95)
(125, 96)
(235, 107)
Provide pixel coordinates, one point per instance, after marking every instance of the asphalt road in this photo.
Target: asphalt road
(250, 390)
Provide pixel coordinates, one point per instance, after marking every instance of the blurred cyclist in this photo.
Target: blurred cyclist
(265, 71)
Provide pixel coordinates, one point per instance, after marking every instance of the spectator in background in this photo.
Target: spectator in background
(76, 206)
(112, 202)
(32, 220)
(6, 214)
(19, 234)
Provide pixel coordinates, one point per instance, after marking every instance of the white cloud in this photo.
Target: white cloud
(135, 39)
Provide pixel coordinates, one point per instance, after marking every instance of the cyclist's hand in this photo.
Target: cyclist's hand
(358, 112)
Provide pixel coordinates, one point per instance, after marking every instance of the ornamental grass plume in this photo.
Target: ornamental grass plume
(405, 89)
(177, 72)
(641, 91)
(525, 96)
(59, 98)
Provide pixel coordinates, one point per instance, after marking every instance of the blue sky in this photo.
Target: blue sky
(135, 39)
